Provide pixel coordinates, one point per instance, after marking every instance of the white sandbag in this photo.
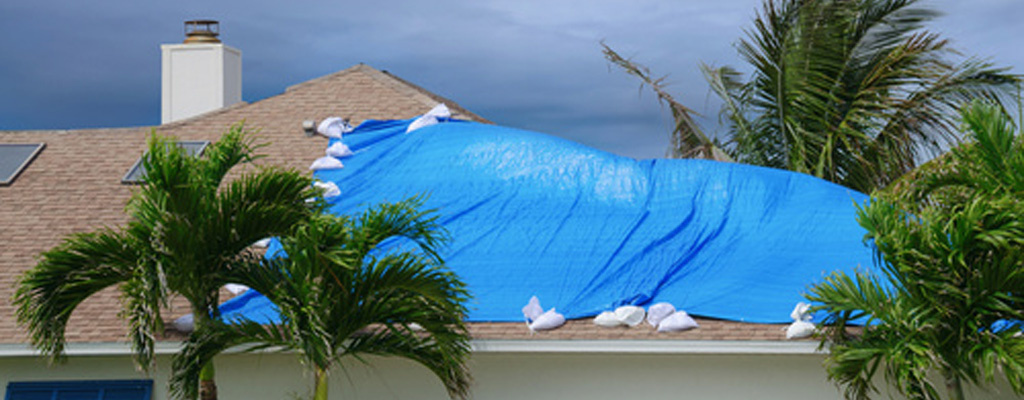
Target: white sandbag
(235, 288)
(532, 310)
(607, 319)
(630, 315)
(432, 117)
(677, 322)
(421, 122)
(184, 324)
(334, 127)
(547, 321)
(800, 312)
(326, 163)
(799, 330)
(339, 150)
(329, 189)
(658, 312)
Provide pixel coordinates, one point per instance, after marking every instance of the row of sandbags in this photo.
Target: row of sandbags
(662, 316)
(336, 127)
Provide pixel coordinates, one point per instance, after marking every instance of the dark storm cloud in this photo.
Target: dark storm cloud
(534, 65)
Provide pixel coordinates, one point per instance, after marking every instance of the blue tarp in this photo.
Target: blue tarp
(587, 231)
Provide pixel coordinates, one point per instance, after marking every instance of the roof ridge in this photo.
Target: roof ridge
(329, 76)
(402, 86)
(409, 89)
(399, 85)
(288, 89)
(428, 98)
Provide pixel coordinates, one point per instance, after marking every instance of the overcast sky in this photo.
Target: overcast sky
(529, 64)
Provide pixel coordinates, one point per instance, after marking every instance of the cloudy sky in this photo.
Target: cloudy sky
(529, 64)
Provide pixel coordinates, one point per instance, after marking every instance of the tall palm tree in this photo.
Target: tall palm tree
(954, 278)
(187, 230)
(341, 296)
(852, 91)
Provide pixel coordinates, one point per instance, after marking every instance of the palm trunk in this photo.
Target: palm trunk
(320, 390)
(954, 389)
(207, 387)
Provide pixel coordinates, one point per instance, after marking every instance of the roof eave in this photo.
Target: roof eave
(721, 347)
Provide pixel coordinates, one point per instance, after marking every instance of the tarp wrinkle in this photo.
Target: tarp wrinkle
(589, 231)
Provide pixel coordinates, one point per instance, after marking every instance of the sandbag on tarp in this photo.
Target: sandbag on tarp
(588, 231)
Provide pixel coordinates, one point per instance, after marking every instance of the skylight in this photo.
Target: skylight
(14, 158)
(137, 173)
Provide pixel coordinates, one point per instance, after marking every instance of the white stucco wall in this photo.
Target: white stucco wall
(497, 376)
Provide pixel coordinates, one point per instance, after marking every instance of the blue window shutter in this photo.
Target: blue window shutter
(81, 390)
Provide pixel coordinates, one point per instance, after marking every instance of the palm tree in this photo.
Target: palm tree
(187, 230)
(954, 278)
(852, 91)
(990, 165)
(342, 296)
(688, 139)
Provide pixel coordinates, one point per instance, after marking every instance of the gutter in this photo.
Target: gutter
(727, 347)
(764, 347)
(86, 349)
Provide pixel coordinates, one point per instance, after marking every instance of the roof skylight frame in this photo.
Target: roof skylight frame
(31, 156)
(136, 174)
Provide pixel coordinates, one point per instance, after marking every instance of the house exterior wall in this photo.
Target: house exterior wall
(498, 376)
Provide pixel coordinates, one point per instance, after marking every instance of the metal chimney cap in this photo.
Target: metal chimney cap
(202, 31)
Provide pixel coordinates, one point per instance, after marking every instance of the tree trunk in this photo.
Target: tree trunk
(953, 387)
(320, 390)
(207, 387)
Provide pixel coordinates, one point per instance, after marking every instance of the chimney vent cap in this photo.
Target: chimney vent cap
(202, 31)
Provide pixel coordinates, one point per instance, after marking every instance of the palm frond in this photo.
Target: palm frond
(236, 146)
(445, 357)
(143, 295)
(67, 275)
(187, 231)
(953, 269)
(339, 297)
(854, 92)
(688, 139)
(402, 219)
(212, 339)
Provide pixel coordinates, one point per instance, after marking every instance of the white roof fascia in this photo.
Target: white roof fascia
(86, 349)
(737, 347)
(647, 346)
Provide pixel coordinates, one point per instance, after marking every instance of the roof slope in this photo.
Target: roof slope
(74, 185)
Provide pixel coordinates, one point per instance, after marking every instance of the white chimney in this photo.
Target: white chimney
(199, 75)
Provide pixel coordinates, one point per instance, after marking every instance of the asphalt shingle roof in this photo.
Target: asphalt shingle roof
(74, 185)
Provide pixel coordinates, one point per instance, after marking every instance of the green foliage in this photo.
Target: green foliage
(854, 92)
(954, 274)
(688, 139)
(187, 230)
(340, 296)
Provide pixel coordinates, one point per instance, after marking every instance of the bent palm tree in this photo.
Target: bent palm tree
(954, 278)
(340, 296)
(184, 235)
(854, 92)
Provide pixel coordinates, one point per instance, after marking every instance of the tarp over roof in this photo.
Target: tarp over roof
(587, 231)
